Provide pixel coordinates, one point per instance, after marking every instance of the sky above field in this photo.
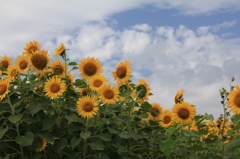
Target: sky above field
(191, 45)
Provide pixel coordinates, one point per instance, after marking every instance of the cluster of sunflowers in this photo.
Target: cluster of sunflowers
(35, 74)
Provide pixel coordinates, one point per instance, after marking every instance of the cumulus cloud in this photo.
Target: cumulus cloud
(170, 59)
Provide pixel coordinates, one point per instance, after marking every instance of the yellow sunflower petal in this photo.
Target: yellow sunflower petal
(234, 100)
(87, 107)
(54, 87)
(109, 94)
(122, 73)
(31, 47)
(60, 49)
(4, 85)
(89, 67)
(184, 112)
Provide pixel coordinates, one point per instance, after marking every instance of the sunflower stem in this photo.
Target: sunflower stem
(16, 124)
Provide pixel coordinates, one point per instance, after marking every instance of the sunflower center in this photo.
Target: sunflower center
(3, 89)
(183, 113)
(153, 114)
(13, 73)
(142, 91)
(88, 107)
(4, 63)
(90, 69)
(39, 61)
(32, 49)
(58, 70)
(109, 94)
(237, 100)
(121, 72)
(54, 87)
(97, 83)
(23, 64)
(167, 119)
(84, 92)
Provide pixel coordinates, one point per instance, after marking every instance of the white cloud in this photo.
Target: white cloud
(198, 61)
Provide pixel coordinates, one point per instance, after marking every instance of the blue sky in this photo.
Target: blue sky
(191, 45)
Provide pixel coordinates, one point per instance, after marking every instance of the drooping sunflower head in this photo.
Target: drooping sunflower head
(184, 112)
(58, 67)
(167, 118)
(155, 106)
(97, 82)
(54, 87)
(12, 72)
(89, 67)
(178, 97)
(23, 62)
(43, 145)
(40, 60)
(109, 94)
(87, 106)
(122, 73)
(83, 91)
(142, 90)
(31, 47)
(5, 62)
(234, 100)
(4, 85)
(60, 50)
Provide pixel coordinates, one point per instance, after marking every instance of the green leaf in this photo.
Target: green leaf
(172, 129)
(167, 146)
(208, 117)
(34, 106)
(48, 136)
(113, 130)
(75, 141)
(74, 68)
(98, 145)
(146, 106)
(37, 83)
(3, 68)
(48, 122)
(3, 131)
(233, 144)
(85, 135)
(25, 140)
(80, 83)
(73, 118)
(125, 135)
(64, 143)
(15, 119)
(105, 137)
(72, 63)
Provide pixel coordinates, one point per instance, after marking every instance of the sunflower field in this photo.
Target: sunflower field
(46, 113)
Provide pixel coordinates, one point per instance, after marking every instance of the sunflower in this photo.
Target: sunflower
(124, 89)
(178, 97)
(83, 91)
(43, 145)
(87, 106)
(142, 93)
(109, 94)
(234, 100)
(184, 112)
(58, 67)
(12, 72)
(4, 85)
(70, 80)
(5, 62)
(89, 67)
(31, 47)
(40, 59)
(54, 87)
(23, 63)
(97, 82)
(122, 73)
(155, 106)
(60, 50)
(167, 118)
